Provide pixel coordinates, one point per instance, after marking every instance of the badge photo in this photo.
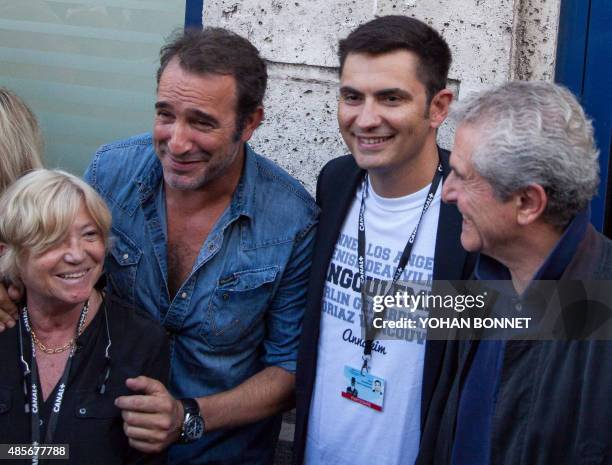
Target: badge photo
(363, 388)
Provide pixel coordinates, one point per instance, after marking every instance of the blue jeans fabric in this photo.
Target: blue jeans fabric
(240, 309)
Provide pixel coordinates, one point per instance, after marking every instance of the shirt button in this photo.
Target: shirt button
(211, 247)
(518, 307)
(226, 296)
(82, 411)
(126, 256)
(184, 295)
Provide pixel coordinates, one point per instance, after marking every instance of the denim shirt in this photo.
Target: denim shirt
(240, 309)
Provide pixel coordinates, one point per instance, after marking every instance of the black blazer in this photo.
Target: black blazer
(336, 187)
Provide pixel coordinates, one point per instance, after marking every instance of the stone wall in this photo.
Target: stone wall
(492, 41)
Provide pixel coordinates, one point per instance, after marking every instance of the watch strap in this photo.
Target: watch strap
(191, 410)
(190, 406)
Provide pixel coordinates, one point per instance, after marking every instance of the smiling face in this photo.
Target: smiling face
(488, 224)
(195, 127)
(383, 111)
(63, 276)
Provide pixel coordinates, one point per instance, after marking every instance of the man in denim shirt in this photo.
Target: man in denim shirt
(214, 241)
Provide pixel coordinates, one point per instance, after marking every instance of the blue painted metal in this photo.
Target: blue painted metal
(193, 13)
(572, 44)
(597, 99)
(584, 65)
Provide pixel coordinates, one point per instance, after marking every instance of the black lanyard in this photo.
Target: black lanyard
(34, 405)
(370, 330)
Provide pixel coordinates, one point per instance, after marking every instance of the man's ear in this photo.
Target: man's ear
(251, 123)
(531, 202)
(439, 106)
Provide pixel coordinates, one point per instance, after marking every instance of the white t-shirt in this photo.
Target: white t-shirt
(340, 431)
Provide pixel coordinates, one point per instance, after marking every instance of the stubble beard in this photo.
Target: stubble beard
(213, 170)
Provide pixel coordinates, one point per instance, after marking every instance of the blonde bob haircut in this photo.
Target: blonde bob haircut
(21, 142)
(37, 211)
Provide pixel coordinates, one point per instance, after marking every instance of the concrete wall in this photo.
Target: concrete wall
(492, 41)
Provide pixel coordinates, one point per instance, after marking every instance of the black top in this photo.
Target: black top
(89, 421)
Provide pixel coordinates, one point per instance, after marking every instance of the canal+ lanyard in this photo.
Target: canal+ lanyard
(371, 331)
(33, 406)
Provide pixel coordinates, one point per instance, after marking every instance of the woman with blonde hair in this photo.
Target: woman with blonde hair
(69, 355)
(21, 141)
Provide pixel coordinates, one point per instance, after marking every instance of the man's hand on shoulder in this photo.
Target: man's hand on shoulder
(9, 313)
(152, 419)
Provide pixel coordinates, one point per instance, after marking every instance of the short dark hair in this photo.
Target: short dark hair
(390, 33)
(216, 50)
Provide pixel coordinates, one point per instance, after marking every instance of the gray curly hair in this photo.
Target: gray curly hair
(534, 133)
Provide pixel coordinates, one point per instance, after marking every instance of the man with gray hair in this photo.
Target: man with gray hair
(523, 170)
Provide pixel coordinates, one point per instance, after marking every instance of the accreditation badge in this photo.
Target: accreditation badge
(363, 388)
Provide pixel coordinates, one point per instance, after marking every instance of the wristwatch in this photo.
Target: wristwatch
(193, 423)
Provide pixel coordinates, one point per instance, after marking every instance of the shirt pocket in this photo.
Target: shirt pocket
(5, 400)
(237, 307)
(122, 265)
(98, 427)
(14, 426)
(7, 429)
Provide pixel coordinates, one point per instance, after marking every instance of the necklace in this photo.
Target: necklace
(69, 344)
(49, 350)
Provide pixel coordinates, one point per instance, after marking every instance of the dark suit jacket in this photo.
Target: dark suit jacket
(336, 187)
(553, 404)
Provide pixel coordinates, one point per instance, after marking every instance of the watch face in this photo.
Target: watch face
(194, 428)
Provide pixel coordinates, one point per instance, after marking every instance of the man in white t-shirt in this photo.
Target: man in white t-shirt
(383, 225)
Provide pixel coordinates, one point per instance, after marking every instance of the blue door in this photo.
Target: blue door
(193, 13)
(584, 65)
